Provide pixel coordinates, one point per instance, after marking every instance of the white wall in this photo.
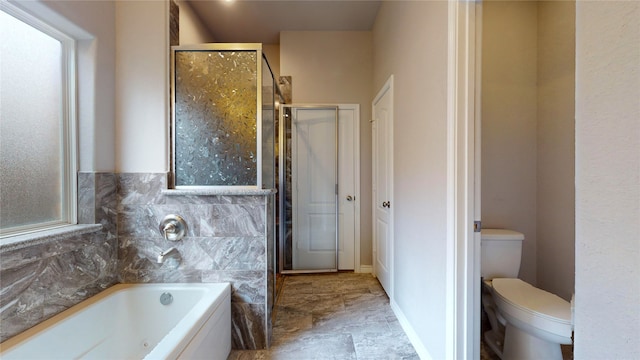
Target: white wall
(192, 31)
(92, 24)
(509, 117)
(410, 42)
(335, 68)
(142, 86)
(555, 246)
(607, 314)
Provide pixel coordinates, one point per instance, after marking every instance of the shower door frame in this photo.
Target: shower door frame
(282, 184)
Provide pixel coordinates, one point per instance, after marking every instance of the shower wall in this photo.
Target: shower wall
(227, 241)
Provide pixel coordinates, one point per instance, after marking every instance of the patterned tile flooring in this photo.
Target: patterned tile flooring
(333, 316)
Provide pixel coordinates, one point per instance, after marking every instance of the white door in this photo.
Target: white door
(314, 179)
(314, 192)
(382, 184)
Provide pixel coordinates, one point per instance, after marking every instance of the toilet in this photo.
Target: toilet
(526, 322)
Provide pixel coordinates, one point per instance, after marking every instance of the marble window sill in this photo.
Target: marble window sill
(40, 237)
(217, 192)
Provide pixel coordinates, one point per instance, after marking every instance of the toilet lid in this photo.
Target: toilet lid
(533, 300)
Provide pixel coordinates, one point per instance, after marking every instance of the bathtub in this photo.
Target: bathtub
(128, 321)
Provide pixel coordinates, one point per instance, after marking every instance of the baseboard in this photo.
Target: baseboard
(411, 334)
(366, 269)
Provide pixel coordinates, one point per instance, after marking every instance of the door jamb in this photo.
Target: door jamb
(463, 250)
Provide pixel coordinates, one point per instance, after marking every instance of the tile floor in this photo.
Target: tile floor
(333, 316)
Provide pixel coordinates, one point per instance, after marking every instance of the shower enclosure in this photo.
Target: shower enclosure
(223, 117)
(223, 137)
(308, 173)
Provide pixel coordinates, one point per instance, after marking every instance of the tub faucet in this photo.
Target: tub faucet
(161, 257)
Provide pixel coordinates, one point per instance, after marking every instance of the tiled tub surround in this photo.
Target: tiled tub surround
(227, 237)
(226, 241)
(60, 268)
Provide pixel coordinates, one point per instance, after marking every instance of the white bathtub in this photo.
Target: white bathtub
(128, 322)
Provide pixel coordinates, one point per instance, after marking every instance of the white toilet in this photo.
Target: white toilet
(526, 322)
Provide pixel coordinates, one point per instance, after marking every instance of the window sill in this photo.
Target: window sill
(213, 191)
(39, 237)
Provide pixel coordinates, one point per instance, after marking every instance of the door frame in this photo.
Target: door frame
(387, 87)
(356, 180)
(356, 155)
(463, 125)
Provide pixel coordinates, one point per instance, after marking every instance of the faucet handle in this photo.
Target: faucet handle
(173, 227)
(169, 228)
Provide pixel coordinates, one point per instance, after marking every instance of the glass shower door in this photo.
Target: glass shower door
(310, 209)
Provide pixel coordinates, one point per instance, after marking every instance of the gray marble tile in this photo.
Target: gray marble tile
(144, 220)
(342, 321)
(234, 253)
(369, 345)
(312, 346)
(290, 320)
(247, 326)
(247, 286)
(86, 198)
(64, 298)
(141, 188)
(366, 301)
(160, 276)
(21, 313)
(363, 316)
(234, 220)
(296, 288)
(42, 278)
(18, 280)
(106, 203)
(249, 355)
(188, 197)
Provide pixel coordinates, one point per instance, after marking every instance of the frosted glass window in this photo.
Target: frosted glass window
(34, 181)
(215, 120)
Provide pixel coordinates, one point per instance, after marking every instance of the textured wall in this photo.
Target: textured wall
(607, 313)
(509, 122)
(334, 67)
(410, 42)
(555, 246)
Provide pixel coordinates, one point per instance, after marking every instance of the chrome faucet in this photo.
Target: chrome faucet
(161, 257)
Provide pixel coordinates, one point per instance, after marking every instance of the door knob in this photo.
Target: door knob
(349, 197)
(386, 204)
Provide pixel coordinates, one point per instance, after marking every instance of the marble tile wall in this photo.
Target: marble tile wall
(226, 240)
(46, 276)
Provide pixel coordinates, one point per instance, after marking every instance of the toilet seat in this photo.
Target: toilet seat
(529, 306)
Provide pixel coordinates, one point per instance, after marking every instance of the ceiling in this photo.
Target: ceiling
(262, 20)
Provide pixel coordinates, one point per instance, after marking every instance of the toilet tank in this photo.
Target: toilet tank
(501, 251)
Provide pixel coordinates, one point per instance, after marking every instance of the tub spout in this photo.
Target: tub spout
(161, 257)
